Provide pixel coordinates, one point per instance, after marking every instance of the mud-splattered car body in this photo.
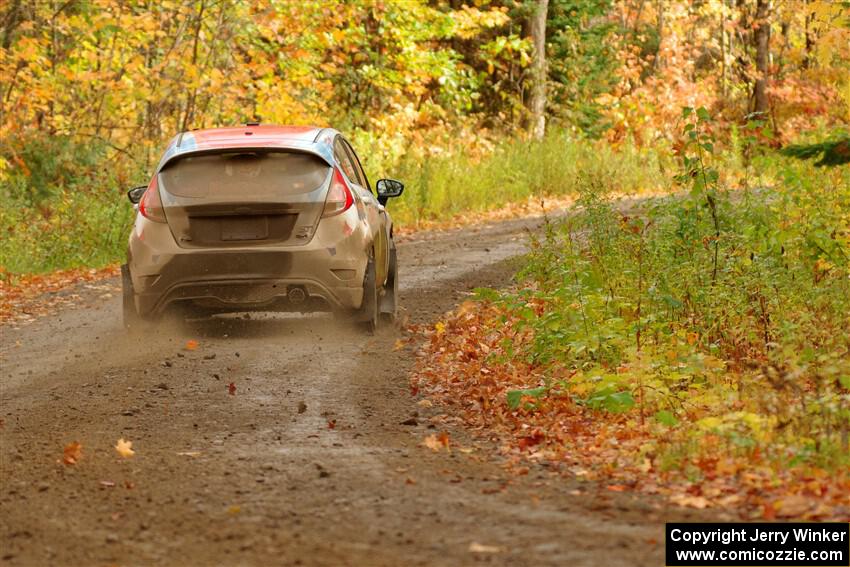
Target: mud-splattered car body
(266, 218)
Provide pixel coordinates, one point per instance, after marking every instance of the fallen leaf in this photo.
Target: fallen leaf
(432, 443)
(476, 547)
(399, 344)
(689, 501)
(793, 506)
(409, 480)
(124, 448)
(231, 389)
(302, 407)
(768, 512)
(189, 453)
(191, 345)
(107, 483)
(72, 453)
(331, 423)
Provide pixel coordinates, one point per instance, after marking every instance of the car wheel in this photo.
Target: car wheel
(367, 315)
(389, 299)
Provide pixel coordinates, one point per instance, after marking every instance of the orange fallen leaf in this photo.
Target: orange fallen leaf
(616, 488)
(331, 423)
(124, 448)
(231, 389)
(191, 345)
(768, 512)
(399, 344)
(72, 453)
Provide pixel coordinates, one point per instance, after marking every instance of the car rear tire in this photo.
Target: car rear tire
(367, 315)
(389, 299)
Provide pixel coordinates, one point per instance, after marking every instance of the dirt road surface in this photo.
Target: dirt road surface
(315, 459)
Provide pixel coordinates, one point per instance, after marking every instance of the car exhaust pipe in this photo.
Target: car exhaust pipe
(296, 295)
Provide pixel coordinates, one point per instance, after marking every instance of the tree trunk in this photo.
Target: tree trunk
(724, 73)
(538, 69)
(762, 41)
(658, 63)
(810, 38)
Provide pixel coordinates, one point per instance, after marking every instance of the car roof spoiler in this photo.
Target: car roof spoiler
(185, 144)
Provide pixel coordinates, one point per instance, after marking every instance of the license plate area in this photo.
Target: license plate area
(244, 228)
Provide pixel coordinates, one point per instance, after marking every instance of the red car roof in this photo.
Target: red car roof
(215, 137)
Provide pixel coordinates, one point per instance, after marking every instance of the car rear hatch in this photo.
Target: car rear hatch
(237, 197)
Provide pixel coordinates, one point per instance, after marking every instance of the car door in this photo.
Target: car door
(376, 215)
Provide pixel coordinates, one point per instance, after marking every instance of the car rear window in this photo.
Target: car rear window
(244, 174)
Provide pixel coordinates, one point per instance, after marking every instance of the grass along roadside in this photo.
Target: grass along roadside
(695, 348)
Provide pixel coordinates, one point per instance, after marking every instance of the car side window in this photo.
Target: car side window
(359, 168)
(344, 161)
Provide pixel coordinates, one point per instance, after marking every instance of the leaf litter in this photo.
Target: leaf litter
(465, 367)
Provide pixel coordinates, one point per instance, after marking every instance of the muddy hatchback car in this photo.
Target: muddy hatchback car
(261, 218)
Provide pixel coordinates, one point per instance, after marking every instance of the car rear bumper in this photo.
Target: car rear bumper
(329, 269)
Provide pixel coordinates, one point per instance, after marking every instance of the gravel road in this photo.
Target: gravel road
(315, 459)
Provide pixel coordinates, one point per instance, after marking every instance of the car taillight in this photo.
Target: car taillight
(151, 205)
(339, 198)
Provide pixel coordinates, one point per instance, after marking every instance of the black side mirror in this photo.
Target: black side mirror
(388, 188)
(135, 194)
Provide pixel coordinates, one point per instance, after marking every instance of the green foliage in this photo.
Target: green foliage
(716, 311)
(64, 206)
(831, 152)
(583, 62)
(611, 401)
(515, 397)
